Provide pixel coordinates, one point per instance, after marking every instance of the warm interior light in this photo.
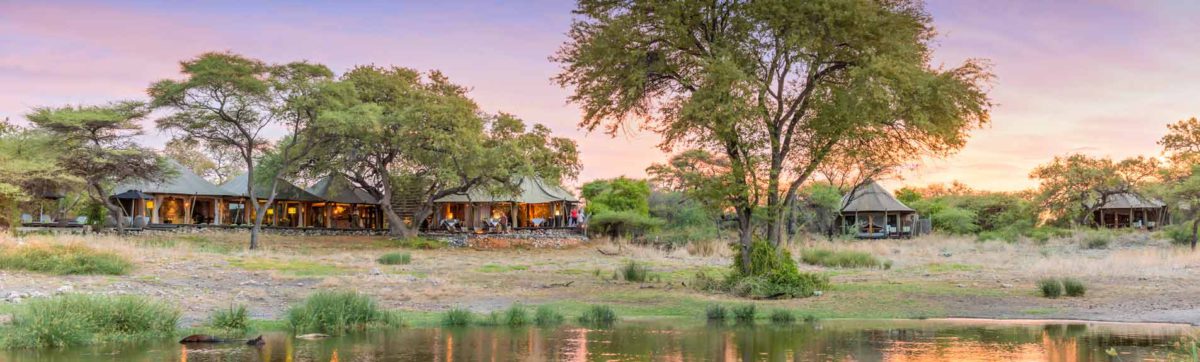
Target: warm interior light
(291, 211)
(149, 204)
(271, 211)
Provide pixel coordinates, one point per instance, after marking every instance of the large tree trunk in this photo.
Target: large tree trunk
(98, 194)
(745, 236)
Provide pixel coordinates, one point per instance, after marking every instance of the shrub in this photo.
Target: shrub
(955, 220)
(745, 313)
(232, 319)
(634, 271)
(715, 312)
(546, 316)
(840, 259)
(598, 315)
(338, 313)
(772, 274)
(516, 316)
(1073, 287)
(76, 320)
(419, 243)
(457, 317)
(1050, 287)
(395, 259)
(622, 223)
(1097, 239)
(1178, 234)
(63, 260)
(781, 316)
(705, 283)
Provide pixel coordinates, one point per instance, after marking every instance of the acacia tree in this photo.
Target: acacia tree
(1081, 184)
(227, 101)
(215, 165)
(97, 146)
(1181, 144)
(774, 86)
(403, 135)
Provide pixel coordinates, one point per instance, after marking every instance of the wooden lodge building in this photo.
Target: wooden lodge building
(331, 203)
(1130, 210)
(871, 212)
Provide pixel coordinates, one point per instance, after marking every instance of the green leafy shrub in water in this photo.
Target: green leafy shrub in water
(63, 260)
(77, 320)
(841, 259)
(516, 316)
(395, 259)
(598, 315)
(715, 312)
(457, 317)
(634, 271)
(772, 274)
(745, 313)
(781, 316)
(1073, 287)
(1097, 239)
(337, 313)
(1050, 287)
(234, 319)
(545, 316)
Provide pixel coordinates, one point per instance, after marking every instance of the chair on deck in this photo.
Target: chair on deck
(537, 222)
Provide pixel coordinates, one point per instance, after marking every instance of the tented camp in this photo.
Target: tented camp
(536, 204)
(183, 198)
(344, 206)
(1130, 210)
(291, 207)
(871, 212)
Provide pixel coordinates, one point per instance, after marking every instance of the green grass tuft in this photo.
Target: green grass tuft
(516, 316)
(634, 271)
(745, 313)
(78, 320)
(782, 316)
(235, 319)
(842, 259)
(546, 316)
(395, 259)
(1073, 287)
(457, 317)
(1097, 239)
(600, 315)
(716, 312)
(63, 260)
(338, 313)
(419, 243)
(1050, 288)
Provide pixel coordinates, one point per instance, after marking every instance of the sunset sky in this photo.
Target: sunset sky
(1097, 77)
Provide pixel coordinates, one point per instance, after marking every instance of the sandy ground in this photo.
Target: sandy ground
(1136, 279)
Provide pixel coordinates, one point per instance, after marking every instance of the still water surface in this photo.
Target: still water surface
(833, 340)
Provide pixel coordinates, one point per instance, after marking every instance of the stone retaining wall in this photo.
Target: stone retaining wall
(532, 239)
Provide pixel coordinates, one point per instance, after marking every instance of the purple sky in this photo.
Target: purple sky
(1098, 77)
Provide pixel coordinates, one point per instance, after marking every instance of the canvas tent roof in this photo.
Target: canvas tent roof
(183, 182)
(338, 189)
(532, 191)
(1131, 200)
(871, 197)
(283, 191)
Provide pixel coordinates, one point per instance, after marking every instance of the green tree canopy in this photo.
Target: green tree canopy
(775, 86)
(97, 146)
(1079, 184)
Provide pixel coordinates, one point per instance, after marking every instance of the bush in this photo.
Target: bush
(395, 259)
(745, 313)
(76, 320)
(598, 315)
(840, 259)
(457, 317)
(338, 313)
(546, 316)
(635, 272)
(516, 316)
(1179, 234)
(1073, 287)
(955, 221)
(628, 224)
(1050, 288)
(63, 260)
(233, 319)
(419, 243)
(1097, 239)
(715, 312)
(772, 274)
(781, 316)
